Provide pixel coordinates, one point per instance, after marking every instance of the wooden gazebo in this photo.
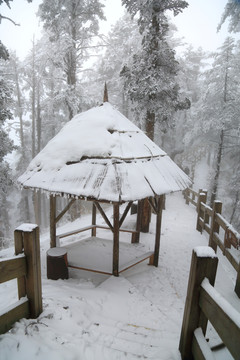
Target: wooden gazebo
(103, 157)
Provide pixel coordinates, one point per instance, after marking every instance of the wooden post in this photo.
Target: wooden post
(94, 215)
(21, 282)
(158, 229)
(115, 239)
(201, 266)
(145, 216)
(31, 245)
(136, 236)
(217, 209)
(52, 221)
(201, 198)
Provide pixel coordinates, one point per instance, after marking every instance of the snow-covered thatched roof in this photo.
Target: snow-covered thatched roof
(101, 155)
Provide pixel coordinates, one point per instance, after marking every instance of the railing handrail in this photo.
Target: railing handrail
(231, 235)
(203, 304)
(25, 267)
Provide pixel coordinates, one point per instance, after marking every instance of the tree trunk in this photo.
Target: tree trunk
(234, 207)
(150, 124)
(218, 165)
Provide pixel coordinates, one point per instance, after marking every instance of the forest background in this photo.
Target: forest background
(187, 101)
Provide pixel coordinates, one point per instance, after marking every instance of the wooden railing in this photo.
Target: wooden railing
(203, 304)
(221, 232)
(25, 266)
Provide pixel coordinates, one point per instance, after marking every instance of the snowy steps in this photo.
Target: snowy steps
(131, 339)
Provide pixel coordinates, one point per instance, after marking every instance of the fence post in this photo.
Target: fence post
(202, 197)
(21, 282)
(217, 209)
(204, 264)
(27, 237)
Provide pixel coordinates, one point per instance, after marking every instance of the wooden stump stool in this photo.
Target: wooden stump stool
(57, 265)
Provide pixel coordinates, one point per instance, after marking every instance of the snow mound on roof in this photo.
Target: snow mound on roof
(100, 132)
(100, 154)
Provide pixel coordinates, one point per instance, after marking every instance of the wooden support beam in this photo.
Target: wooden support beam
(125, 213)
(64, 210)
(158, 229)
(100, 209)
(136, 235)
(153, 205)
(115, 239)
(94, 218)
(52, 221)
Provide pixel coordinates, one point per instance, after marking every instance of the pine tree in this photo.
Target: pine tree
(6, 145)
(150, 80)
(231, 11)
(71, 26)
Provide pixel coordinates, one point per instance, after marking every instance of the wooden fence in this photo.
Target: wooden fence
(25, 266)
(221, 233)
(203, 304)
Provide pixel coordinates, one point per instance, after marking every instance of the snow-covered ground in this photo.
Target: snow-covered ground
(135, 316)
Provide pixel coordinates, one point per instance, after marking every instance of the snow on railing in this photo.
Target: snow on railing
(221, 232)
(25, 267)
(203, 304)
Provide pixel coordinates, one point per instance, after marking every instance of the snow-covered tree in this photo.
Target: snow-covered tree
(121, 42)
(6, 145)
(150, 79)
(72, 25)
(231, 12)
(220, 110)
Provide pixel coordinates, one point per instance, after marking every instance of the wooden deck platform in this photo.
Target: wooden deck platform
(95, 254)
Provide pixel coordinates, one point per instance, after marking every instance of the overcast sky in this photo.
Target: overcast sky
(197, 24)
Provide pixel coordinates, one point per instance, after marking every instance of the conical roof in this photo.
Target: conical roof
(102, 155)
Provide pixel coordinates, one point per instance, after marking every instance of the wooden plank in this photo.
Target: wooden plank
(224, 318)
(73, 232)
(15, 312)
(209, 210)
(221, 221)
(88, 269)
(12, 269)
(232, 259)
(207, 228)
(121, 230)
(193, 202)
(201, 267)
(115, 267)
(200, 347)
(136, 261)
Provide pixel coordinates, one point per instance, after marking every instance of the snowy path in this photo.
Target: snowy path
(135, 316)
